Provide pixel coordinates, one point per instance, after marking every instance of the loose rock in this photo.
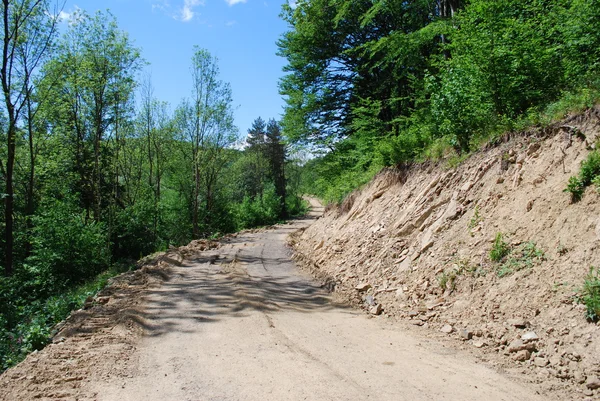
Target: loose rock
(376, 310)
(530, 336)
(466, 334)
(522, 356)
(593, 383)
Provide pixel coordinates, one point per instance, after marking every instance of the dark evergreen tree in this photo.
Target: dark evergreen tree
(275, 153)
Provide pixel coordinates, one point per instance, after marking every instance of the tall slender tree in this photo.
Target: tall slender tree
(206, 121)
(29, 28)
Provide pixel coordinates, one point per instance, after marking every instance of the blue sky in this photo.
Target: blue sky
(241, 33)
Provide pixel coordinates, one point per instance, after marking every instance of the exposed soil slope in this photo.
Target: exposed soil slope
(415, 243)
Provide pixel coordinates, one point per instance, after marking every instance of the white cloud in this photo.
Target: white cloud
(230, 23)
(160, 6)
(187, 12)
(64, 16)
(234, 2)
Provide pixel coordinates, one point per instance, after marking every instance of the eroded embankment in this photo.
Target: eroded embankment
(415, 244)
(98, 341)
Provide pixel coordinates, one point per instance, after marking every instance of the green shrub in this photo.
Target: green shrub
(588, 174)
(590, 294)
(575, 188)
(65, 248)
(525, 256)
(296, 206)
(499, 249)
(260, 211)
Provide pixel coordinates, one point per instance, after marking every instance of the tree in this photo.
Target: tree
(29, 28)
(275, 154)
(206, 122)
(256, 174)
(95, 69)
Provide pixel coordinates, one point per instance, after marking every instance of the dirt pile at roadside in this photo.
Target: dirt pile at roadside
(97, 341)
(415, 244)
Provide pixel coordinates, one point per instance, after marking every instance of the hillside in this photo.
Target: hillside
(414, 244)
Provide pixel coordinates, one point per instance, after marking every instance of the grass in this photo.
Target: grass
(522, 257)
(476, 219)
(500, 249)
(447, 280)
(590, 294)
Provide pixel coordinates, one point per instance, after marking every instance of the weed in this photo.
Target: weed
(588, 174)
(499, 249)
(575, 188)
(456, 159)
(525, 256)
(476, 219)
(590, 294)
(596, 182)
(447, 280)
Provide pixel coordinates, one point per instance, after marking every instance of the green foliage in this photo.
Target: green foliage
(589, 294)
(258, 211)
(575, 188)
(499, 249)
(588, 174)
(387, 83)
(524, 256)
(461, 105)
(27, 323)
(65, 248)
(476, 219)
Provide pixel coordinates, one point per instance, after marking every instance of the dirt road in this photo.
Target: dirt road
(242, 323)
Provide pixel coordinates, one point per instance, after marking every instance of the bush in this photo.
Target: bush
(499, 249)
(588, 174)
(590, 294)
(65, 248)
(296, 206)
(134, 234)
(260, 211)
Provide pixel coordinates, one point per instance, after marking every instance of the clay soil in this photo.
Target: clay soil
(413, 247)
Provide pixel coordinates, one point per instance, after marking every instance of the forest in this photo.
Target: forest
(97, 172)
(371, 84)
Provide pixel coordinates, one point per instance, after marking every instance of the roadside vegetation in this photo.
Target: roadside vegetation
(589, 294)
(96, 172)
(375, 84)
(589, 173)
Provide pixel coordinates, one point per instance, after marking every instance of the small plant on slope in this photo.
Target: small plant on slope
(588, 174)
(522, 257)
(475, 219)
(499, 249)
(590, 294)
